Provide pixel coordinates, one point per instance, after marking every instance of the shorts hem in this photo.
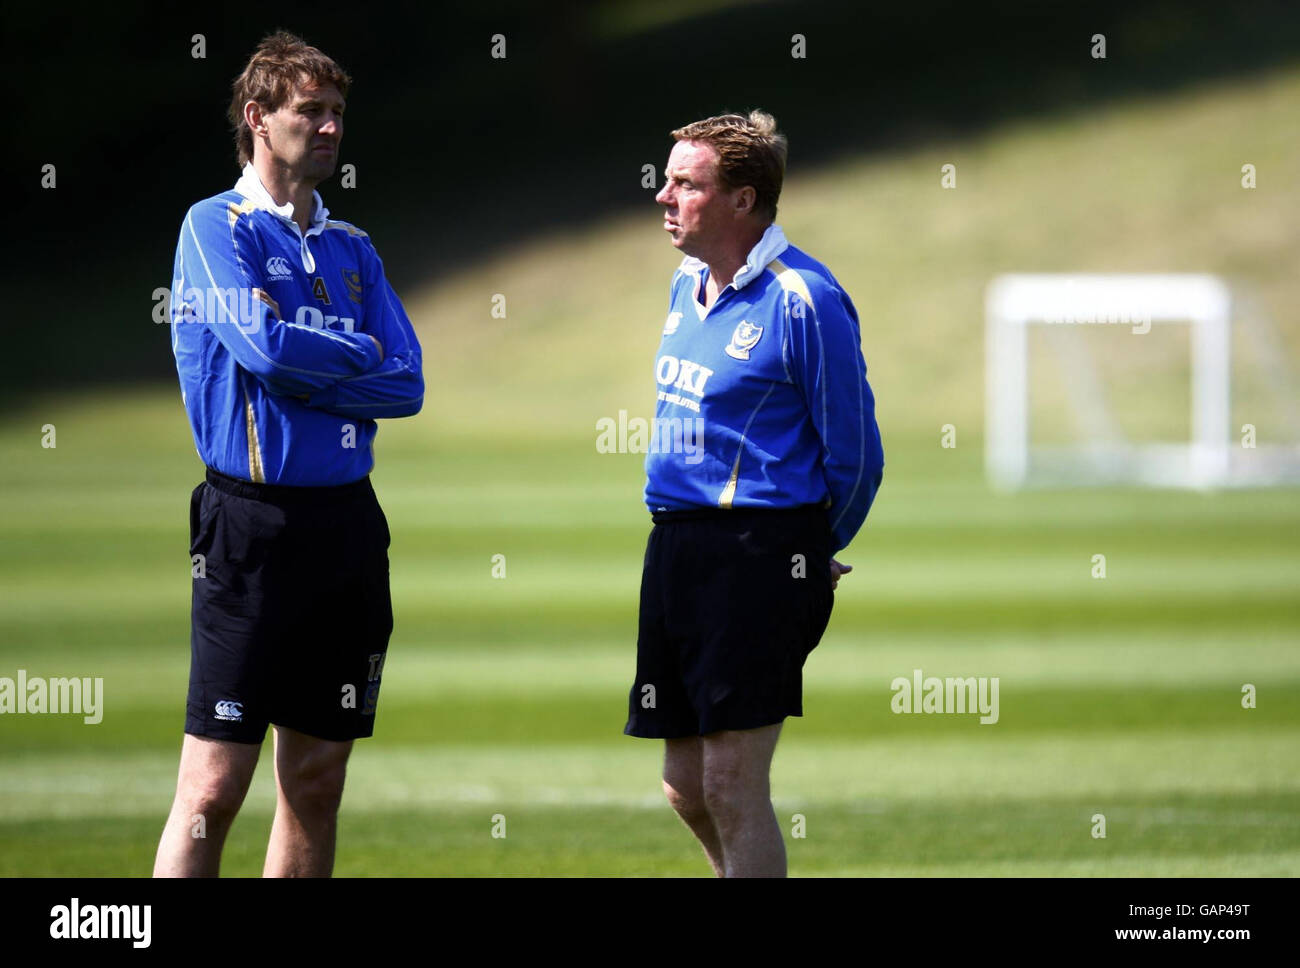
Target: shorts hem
(340, 736)
(758, 723)
(653, 732)
(644, 732)
(224, 735)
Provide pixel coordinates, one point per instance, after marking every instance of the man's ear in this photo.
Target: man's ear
(255, 118)
(745, 199)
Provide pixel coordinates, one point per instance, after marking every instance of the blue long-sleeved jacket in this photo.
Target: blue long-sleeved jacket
(763, 398)
(271, 329)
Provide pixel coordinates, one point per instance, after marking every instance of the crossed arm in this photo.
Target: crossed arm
(375, 372)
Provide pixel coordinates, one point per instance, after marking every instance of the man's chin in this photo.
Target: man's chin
(318, 169)
(683, 245)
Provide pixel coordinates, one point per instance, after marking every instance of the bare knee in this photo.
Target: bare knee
(686, 797)
(214, 778)
(314, 785)
(724, 794)
(736, 767)
(734, 794)
(216, 797)
(684, 778)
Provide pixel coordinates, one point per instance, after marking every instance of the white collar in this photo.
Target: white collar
(251, 187)
(769, 247)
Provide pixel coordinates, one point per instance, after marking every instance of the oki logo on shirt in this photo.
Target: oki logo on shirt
(682, 374)
(685, 375)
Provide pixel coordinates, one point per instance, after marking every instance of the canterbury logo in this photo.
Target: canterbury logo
(230, 711)
(277, 267)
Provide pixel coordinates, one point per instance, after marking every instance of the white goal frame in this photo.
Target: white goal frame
(1014, 302)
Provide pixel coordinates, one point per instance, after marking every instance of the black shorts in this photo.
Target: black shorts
(732, 603)
(291, 612)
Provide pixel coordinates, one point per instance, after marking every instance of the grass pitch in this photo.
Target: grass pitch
(1119, 696)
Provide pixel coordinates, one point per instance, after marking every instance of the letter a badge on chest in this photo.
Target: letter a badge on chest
(744, 339)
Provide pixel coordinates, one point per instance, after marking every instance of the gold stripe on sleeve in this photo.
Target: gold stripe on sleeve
(791, 281)
(233, 211)
(256, 472)
(729, 492)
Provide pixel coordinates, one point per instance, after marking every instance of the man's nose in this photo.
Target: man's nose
(663, 198)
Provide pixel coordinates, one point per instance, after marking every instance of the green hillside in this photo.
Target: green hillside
(1141, 187)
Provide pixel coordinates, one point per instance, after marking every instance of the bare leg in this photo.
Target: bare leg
(684, 787)
(309, 774)
(737, 764)
(213, 780)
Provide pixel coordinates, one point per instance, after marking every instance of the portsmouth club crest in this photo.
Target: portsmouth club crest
(671, 323)
(744, 339)
(352, 279)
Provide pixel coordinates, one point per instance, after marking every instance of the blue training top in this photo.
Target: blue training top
(763, 397)
(272, 331)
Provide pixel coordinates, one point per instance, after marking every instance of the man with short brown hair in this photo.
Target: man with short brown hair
(762, 353)
(289, 345)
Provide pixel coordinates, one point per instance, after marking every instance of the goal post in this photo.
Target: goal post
(1136, 302)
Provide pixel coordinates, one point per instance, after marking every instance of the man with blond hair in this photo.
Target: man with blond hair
(761, 351)
(289, 344)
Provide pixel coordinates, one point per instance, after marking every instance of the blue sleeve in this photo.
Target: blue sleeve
(395, 388)
(827, 365)
(287, 358)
